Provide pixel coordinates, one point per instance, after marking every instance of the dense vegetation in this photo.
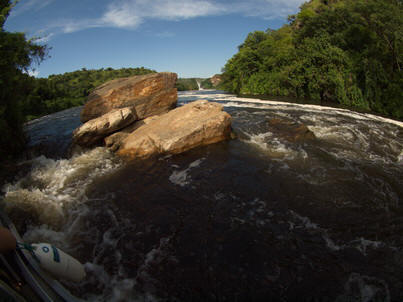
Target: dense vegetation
(59, 92)
(183, 84)
(206, 84)
(16, 55)
(344, 51)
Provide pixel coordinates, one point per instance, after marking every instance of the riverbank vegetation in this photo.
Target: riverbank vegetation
(59, 92)
(183, 84)
(343, 51)
(16, 55)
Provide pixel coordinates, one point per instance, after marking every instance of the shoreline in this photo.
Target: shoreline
(327, 104)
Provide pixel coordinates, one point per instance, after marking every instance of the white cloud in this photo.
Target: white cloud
(121, 16)
(183, 9)
(24, 6)
(129, 14)
(43, 39)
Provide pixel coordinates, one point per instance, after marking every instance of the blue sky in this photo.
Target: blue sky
(193, 38)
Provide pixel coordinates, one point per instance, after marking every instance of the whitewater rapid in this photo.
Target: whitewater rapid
(261, 216)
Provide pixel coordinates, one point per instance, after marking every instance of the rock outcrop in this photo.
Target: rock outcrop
(131, 116)
(113, 141)
(195, 124)
(96, 129)
(147, 95)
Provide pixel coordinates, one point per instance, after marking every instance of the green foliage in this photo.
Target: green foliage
(206, 84)
(59, 92)
(183, 84)
(344, 51)
(16, 55)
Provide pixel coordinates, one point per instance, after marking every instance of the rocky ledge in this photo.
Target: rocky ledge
(135, 117)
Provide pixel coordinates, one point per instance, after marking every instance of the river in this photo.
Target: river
(263, 217)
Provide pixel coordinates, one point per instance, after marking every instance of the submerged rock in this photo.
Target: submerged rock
(147, 95)
(195, 124)
(290, 131)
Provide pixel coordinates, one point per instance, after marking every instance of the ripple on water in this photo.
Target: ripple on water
(259, 217)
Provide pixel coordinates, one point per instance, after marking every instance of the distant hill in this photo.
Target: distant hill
(184, 84)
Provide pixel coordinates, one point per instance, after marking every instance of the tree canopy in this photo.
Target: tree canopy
(16, 55)
(344, 51)
(62, 91)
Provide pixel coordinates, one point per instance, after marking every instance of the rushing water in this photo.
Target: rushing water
(264, 217)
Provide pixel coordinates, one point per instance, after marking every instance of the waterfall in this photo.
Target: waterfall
(199, 84)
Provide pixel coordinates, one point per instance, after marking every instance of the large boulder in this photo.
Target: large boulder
(195, 124)
(96, 129)
(113, 141)
(148, 95)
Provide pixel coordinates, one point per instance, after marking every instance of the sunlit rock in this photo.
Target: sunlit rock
(195, 124)
(96, 129)
(113, 141)
(147, 95)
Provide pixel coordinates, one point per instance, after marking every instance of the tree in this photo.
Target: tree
(16, 55)
(344, 51)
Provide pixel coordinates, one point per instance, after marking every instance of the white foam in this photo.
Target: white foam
(400, 157)
(330, 243)
(365, 289)
(363, 245)
(182, 177)
(234, 101)
(54, 186)
(274, 147)
(114, 288)
(306, 222)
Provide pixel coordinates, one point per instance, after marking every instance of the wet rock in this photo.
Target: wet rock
(290, 131)
(147, 95)
(195, 124)
(96, 129)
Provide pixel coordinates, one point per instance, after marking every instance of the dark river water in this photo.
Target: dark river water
(267, 216)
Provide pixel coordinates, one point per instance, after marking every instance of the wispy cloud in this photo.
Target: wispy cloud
(43, 39)
(130, 14)
(165, 34)
(24, 6)
(121, 15)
